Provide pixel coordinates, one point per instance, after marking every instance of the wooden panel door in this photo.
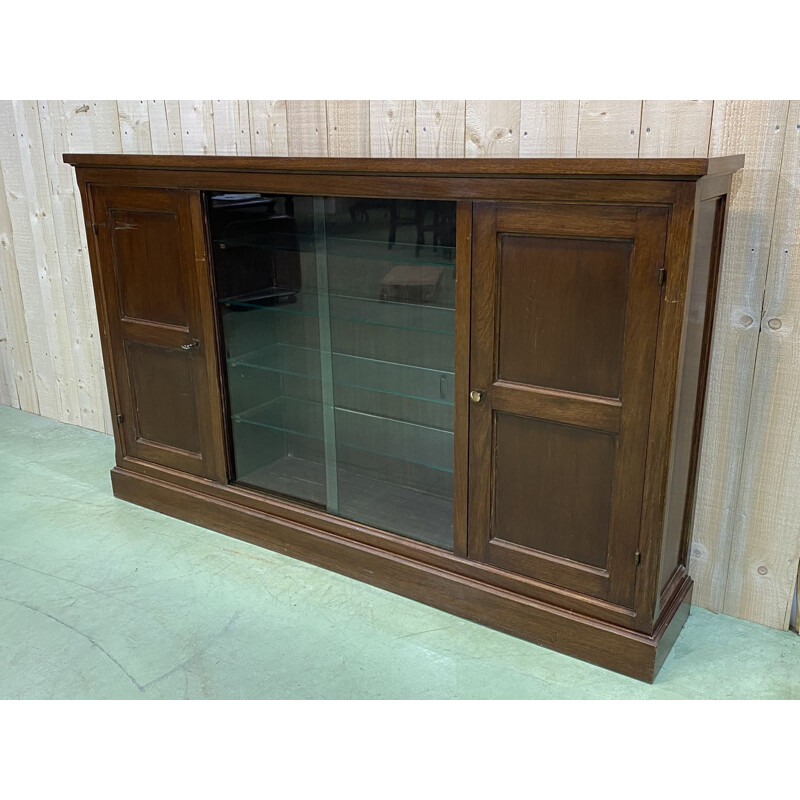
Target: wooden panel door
(159, 310)
(565, 305)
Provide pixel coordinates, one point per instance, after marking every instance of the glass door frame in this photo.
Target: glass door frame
(462, 266)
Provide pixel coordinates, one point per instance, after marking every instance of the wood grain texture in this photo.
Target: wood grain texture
(765, 546)
(519, 347)
(165, 127)
(60, 334)
(392, 129)
(197, 127)
(231, 128)
(268, 132)
(549, 128)
(76, 283)
(91, 125)
(15, 352)
(134, 126)
(307, 127)
(492, 128)
(348, 128)
(756, 128)
(8, 380)
(538, 294)
(675, 128)
(152, 281)
(529, 168)
(38, 319)
(609, 128)
(440, 128)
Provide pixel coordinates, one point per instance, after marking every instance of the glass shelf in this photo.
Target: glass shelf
(347, 247)
(358, 372)
(348, 308)
(356, 430)
(406, 510)
(334, 335)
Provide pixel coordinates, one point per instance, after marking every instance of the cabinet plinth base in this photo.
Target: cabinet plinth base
(628, 652)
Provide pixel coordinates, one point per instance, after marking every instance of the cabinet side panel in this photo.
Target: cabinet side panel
(691, 394)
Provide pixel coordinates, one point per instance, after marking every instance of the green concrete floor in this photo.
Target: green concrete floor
(102, 599)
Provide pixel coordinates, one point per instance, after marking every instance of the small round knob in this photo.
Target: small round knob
(476, 395)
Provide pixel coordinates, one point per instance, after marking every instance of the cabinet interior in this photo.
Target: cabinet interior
(337, 318)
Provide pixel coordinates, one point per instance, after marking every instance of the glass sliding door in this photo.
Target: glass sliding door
(338, 323)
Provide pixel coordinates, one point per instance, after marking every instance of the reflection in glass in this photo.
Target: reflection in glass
(338, 323)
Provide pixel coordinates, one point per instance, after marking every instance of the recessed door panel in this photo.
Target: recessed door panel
(565, 306)
(146, 248)
(559, 501)
(159, 309)
(155, 373)
(562, 312)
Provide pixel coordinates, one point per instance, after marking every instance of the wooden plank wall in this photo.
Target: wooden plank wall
(747, 531)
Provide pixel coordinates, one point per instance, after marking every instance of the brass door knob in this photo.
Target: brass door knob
(476, 395)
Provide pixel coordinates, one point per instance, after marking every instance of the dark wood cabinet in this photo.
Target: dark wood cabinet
(156, 294)
(479, 384)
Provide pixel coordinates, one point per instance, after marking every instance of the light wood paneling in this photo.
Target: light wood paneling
(308, 127)
(165, 127)
(231, 128)
(749, 480)
(440, 128)
(549, 128)
(348, 128)
(76, 280)
(763, 565)
(675, 128)
(492, 128)
(609, 128)
(92, 126)
(392, 129)
(268, 128)
(755, 128)
(134, 126)
(197, 127)
(8, 380)
(15, 353)
(38, 318)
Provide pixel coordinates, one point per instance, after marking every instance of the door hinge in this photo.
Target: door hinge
(637, 558)
(662, 277)
(95, 228)
(120, 419)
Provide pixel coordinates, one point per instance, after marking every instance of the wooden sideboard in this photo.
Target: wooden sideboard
(476, 383)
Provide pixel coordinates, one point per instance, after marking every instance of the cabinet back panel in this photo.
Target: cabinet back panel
(562, 316)
(144, 244)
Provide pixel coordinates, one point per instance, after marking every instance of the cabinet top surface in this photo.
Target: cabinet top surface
(665, 168)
